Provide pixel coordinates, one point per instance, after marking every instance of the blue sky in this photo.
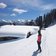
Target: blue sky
(24, 9)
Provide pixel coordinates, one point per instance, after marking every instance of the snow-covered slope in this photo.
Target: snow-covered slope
(26, 47)
(51, 40)
(17, 31)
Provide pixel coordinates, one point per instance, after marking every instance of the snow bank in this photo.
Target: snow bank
(51, 40)
(17, 31)
(24, 47)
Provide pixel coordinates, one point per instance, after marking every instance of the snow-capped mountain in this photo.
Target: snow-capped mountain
(21, 20)
(11, 22)
(5, 22)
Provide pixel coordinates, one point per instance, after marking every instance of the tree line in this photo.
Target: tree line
(45, 20)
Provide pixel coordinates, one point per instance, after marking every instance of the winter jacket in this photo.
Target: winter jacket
(39, 38)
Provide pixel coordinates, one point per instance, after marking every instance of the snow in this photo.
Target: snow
(51, 40)
(27, 46)
(18, 31)
(22, 47)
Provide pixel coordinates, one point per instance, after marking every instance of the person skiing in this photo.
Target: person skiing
(39, 41)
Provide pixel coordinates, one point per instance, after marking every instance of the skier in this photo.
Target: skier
(39, 41)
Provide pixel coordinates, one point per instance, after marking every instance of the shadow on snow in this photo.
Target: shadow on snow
(35, 53)
(9, 39)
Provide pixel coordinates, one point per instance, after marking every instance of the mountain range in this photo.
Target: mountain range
(11, 22)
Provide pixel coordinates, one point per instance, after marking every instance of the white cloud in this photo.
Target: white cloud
(34, 3)
(48, 7)
(13, 14)
(3, 5)
(20, 11)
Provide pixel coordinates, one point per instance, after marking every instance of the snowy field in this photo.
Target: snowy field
(17, 31)
(27, 46)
